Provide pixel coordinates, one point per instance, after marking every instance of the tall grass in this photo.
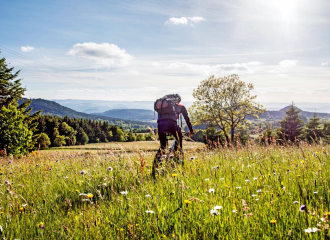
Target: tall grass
(227, 193)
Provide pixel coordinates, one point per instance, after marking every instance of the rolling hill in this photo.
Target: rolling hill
(53, 108)
(130, 114)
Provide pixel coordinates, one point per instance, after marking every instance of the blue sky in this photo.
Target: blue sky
(141, 50)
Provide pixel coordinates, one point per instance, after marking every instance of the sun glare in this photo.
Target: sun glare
(285, 9)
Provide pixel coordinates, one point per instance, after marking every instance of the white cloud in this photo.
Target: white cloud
(254, 63)
(104, 54)
(194, 69)
(284, 66)
(177, 21)
(184, 20)
(156, 64)
(27, 49)
(324, 64)
(288, 63)
(196, 19)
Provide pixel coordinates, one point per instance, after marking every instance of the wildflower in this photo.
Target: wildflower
(21, 209)
(41, 225)
(89, 195)
(7, 182)
(211, 190)
(247, 180)
(311, 230)
(214, 212)
(124, 192)
(24, 205)
(238, 187)
(171, 156)
(148, 195)
(235, 211)
(149, 211)
(9, 162)
(249, 166)
(315, 192)
(110, 169)
(295, 202)
(187, 202)
(217, 207)
(222, 179)
(259, 190)
(254, 195)
(327, 213)
(174, 175)
(192, 158)
(207, 179)
(302, 208)
(255, 178)
(273, 221)
(83, 172)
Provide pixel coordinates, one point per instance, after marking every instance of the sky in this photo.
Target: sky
(143, 49)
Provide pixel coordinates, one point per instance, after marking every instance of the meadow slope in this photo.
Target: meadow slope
(254, 192)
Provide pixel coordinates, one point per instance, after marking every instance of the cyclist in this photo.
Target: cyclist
(167, 123)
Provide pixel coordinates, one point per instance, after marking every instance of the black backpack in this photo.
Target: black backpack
(164, 106)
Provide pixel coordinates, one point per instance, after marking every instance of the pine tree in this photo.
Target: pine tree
(11, 91)
(313, 131)
(291, 126)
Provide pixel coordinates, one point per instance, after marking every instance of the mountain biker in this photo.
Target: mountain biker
(167, 123)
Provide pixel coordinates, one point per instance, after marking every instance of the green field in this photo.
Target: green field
(130, 146)
(250, 192)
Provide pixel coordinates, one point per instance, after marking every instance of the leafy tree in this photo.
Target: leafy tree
(69, 133)
(11, 91)
(313, 129)
(43, 141)
(15, 136)
(131, 137)
(59, 140)
(291, 126)
(225, 103)
(267, 136)
(82, 137)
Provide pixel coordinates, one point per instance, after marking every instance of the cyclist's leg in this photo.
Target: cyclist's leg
(176, 132)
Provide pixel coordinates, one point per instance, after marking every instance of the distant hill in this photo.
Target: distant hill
(53, 108)
(278, 115)
(130, 114)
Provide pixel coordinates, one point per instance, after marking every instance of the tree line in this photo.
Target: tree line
(56, 131)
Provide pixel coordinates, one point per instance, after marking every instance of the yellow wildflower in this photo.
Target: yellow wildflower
(89, 195)
(273, 221)
(187, 202)
(174, 175)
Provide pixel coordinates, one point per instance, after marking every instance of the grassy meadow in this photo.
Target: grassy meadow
(249, 192)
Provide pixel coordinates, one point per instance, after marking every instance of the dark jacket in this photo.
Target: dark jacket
(179, 109)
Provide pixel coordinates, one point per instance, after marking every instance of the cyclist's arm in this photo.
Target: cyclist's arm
(186, 118)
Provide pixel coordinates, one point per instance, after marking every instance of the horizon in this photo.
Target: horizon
(117, 51)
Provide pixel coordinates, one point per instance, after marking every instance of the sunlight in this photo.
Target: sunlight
(286, 9)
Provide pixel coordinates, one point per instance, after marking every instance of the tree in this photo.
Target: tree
(43, 141)
(313, 130)
(291, 126)
(82, 137)
(11, 92)
(15, 136)
(225, 103)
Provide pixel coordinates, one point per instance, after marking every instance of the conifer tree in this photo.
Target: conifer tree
(291, 126)
(313, 130)
(11, 91)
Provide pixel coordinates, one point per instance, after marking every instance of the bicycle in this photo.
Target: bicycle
(168, 157)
